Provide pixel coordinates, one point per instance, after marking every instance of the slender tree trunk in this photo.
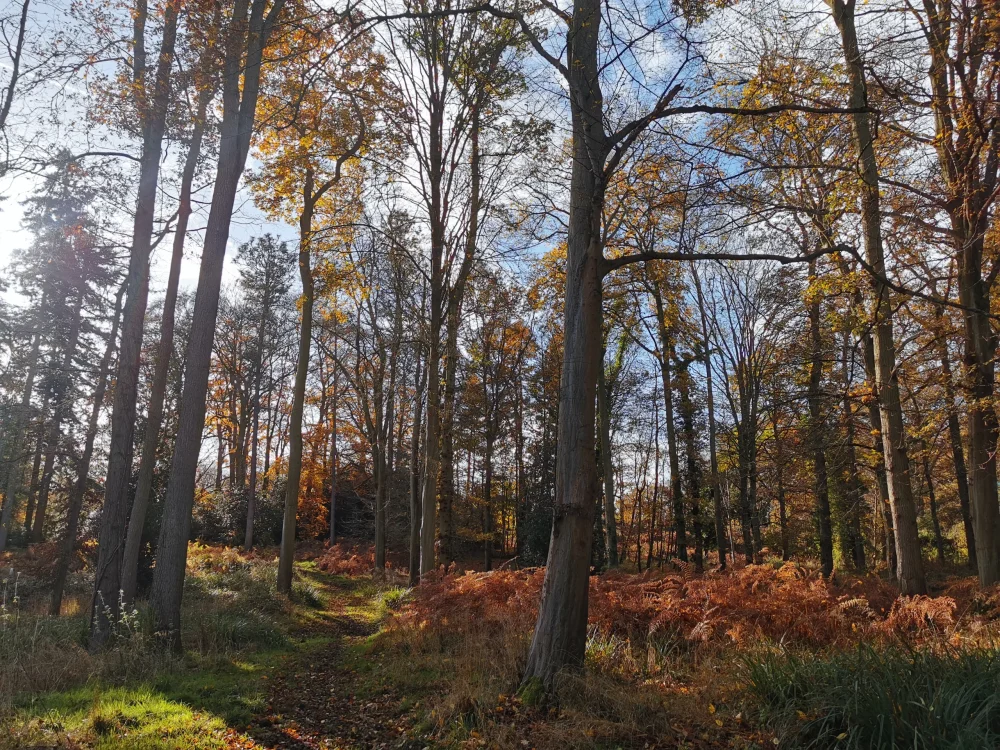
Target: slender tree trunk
(958, 455)
(693, 469)
(855, 493)
(446, 475)
(62, 410)
(611, 524)
(779, 465)
(111, 539)
(14, 469)
(68, 543)
(720, 515)
(932, 501)
(875, 418)
(418, 390)
(432, 443)
(488, 503)
(676, 491)
(286, 557)
(910, 566)
(334, 454)
(147, 461)
(242, 63)
(817, 429)
(35, 480)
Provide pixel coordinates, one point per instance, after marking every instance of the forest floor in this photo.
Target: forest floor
(767, 656)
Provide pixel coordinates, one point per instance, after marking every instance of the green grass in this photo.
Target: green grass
(237, 631)
(893, 698)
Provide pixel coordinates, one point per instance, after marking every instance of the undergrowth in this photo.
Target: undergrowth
(880, 698)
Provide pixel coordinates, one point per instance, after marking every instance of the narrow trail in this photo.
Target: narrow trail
(316, 701)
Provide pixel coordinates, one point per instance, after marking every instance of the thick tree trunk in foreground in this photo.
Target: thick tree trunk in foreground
(242, 61)
(560, 636)
(111, 540)
(909, 565)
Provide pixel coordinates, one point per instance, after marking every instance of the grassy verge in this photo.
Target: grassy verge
(53, 693)
(888, 698)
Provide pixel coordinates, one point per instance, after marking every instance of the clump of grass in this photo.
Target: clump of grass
(868, 698)
(391, 599)
(226, 632)
(307, 593)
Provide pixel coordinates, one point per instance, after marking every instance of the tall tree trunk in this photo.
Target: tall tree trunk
(932, 501)
(68, 543)
(111, 539)
(693, 469)
(607, 465)
(779, 465)
(488, 503)
(720, 516)
(560, 634)
(676, 491)
(855, 493)
(962, 79)
(154, 420)
(875, 418)
(432, 443)
(62, 410)
(286, 557)
(34, 479)
(242, 63)
(817, 437)
(910, 566)
(446, 475)
(958, 454)
(334, 453)
(14, 469)
(418, 389)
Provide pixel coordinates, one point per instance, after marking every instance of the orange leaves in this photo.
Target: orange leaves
(789, 604)
(341, 559)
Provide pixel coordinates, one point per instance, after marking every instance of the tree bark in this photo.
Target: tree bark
(62, 409)
(34, 479)
(720, 516)
(958, 455)
(13, 486)
(243, 54)
(286, 557)
(111, 539)
(910, 566)
(154, 420)
(79, 489)
(817, 429)
(610, 522)
(560, 634)
(418, 383)
(779, 464)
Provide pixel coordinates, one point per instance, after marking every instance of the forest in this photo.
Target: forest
(499, 374)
